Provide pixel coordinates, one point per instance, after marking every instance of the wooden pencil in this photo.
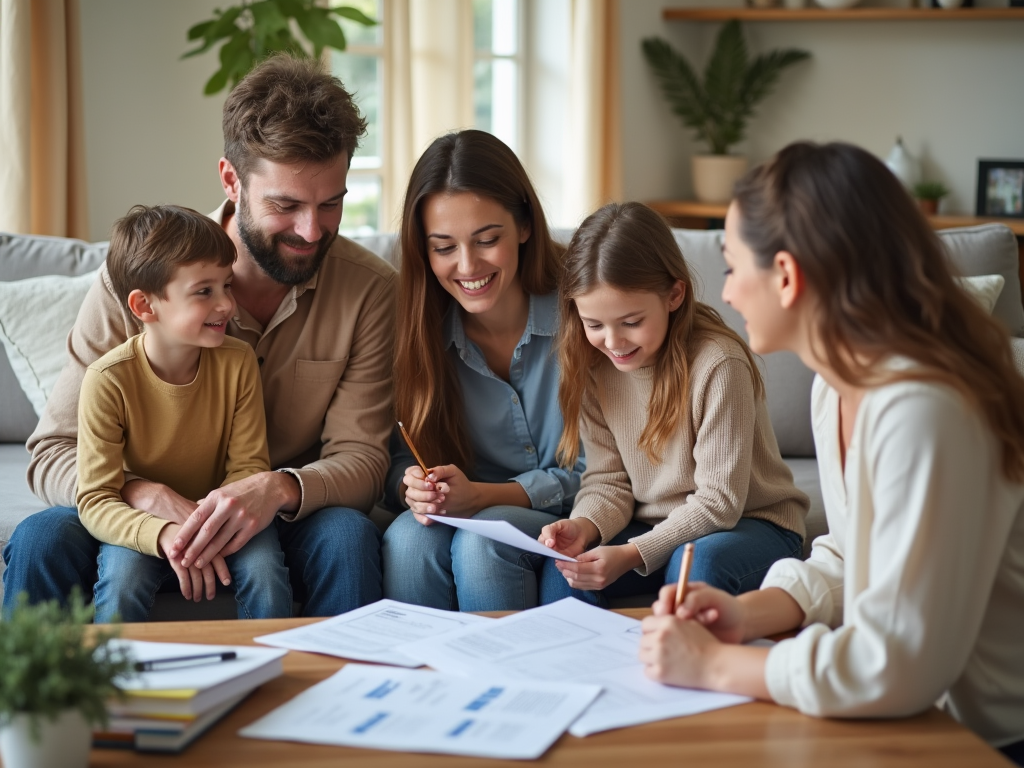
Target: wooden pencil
(684, 576)
(419, 459)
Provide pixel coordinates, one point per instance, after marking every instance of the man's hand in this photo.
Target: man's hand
(158, 500)
(228, 517)
(194, 582)
(599, 567)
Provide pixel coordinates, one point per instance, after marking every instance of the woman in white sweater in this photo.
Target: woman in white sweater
(918, 413)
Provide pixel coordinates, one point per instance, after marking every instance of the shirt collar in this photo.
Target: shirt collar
(227, 208)
(542, 320)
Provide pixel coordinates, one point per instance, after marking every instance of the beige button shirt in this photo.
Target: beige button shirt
(326, 361)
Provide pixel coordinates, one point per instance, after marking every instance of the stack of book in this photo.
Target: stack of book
(179, 690)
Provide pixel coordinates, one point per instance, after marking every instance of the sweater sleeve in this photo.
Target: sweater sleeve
(926, 475)
(103, 323)
(247, 444)
(724, 414)
(606, 495)
(101, 441)
(353, 459)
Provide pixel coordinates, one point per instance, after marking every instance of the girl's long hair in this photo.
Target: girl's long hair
(882, 280)
(427, 395)
(631, 248)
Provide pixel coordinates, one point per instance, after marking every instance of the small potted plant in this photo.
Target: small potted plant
(720, 106)
(928, 194)
(56, 676)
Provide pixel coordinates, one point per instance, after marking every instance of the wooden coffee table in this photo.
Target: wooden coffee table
(742, 737)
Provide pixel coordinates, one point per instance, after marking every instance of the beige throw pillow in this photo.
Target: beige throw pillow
(984, 289)
(36, 316)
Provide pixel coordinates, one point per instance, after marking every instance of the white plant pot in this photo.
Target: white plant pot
(714, 176)
(63, 743)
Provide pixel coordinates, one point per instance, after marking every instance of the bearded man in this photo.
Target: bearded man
(318, 311)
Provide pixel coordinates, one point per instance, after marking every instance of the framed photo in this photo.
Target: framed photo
(1000, 189)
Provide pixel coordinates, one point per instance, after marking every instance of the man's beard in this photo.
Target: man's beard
(294, 270)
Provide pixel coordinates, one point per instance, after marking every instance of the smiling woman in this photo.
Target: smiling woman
(475, 379)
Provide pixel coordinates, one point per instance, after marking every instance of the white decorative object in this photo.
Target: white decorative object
(714, 176)
(62, 743)
(836, 4)
(951, 3)
(36, 316)
(904, 165)
(984, 289)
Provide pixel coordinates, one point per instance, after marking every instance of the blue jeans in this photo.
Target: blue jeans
(333, 559)
(444, 567)
(128, 581)
(735, 561)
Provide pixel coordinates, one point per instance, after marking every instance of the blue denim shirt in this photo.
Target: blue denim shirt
(514, 426)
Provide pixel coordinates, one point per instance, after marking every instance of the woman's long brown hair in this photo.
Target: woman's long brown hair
(427, 395)
(882, 280)
(630, 247)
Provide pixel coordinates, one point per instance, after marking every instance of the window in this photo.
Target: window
(497, 69)
(361, 68)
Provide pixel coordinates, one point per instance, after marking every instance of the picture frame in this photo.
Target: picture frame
(1000, 189)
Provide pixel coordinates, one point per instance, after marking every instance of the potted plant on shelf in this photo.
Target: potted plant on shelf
(720, 106)
(928, 194)
(56, 675)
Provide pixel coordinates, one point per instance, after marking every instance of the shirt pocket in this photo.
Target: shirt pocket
(316, 381)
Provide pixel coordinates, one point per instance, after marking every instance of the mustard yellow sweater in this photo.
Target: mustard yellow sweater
(193, 438)
(722, 464)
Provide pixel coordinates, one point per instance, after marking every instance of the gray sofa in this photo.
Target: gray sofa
(981, 250)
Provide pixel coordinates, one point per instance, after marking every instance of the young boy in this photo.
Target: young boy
(180, 404)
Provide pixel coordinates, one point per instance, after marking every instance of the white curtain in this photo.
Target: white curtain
(429, 82)
(42, 152)
(592, 147)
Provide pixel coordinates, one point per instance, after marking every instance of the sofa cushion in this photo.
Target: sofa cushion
(36, 316)
(27, 256)
(990, 249)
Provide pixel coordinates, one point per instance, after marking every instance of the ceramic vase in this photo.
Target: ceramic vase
(904, 166)
(62, 743)
(714, 176)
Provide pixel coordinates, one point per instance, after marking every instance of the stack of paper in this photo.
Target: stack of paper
(166, 710)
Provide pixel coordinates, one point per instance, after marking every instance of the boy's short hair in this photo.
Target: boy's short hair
(150, 242)
(289, 110)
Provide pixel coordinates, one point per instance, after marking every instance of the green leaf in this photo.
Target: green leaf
(354, 14)
(679, 84)
(199, 30)
(321, 30)
(219, 28)
(267, 19)
(216, 83)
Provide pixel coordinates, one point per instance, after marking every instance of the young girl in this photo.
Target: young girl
(475, 379)
(918, 589)
(670, 406)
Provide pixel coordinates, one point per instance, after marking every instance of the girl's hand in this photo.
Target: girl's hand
(460, 497)
(722, 614)
(421, 494)
(599, 567)
(678, 652)
(569, 536)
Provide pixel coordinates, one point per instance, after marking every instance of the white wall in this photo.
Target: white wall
(953, 90)
(151, 135)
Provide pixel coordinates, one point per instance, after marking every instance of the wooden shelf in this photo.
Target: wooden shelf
(691, 209)
(842, 14)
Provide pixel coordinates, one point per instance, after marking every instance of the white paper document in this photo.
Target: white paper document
(411, 710)
(191, 678)
(371, 633)
(572, 642)
(503, 531)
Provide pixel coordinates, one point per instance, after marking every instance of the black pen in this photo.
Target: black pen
(154, 665)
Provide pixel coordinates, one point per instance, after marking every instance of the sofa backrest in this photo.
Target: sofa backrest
(982, 250)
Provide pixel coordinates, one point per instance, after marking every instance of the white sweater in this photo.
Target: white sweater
(918, 589)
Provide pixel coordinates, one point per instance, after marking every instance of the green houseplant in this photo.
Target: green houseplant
(928, 194)
(56, 675)
(719, 106)
(251, 31)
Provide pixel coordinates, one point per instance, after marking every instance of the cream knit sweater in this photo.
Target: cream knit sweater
(723, 463)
